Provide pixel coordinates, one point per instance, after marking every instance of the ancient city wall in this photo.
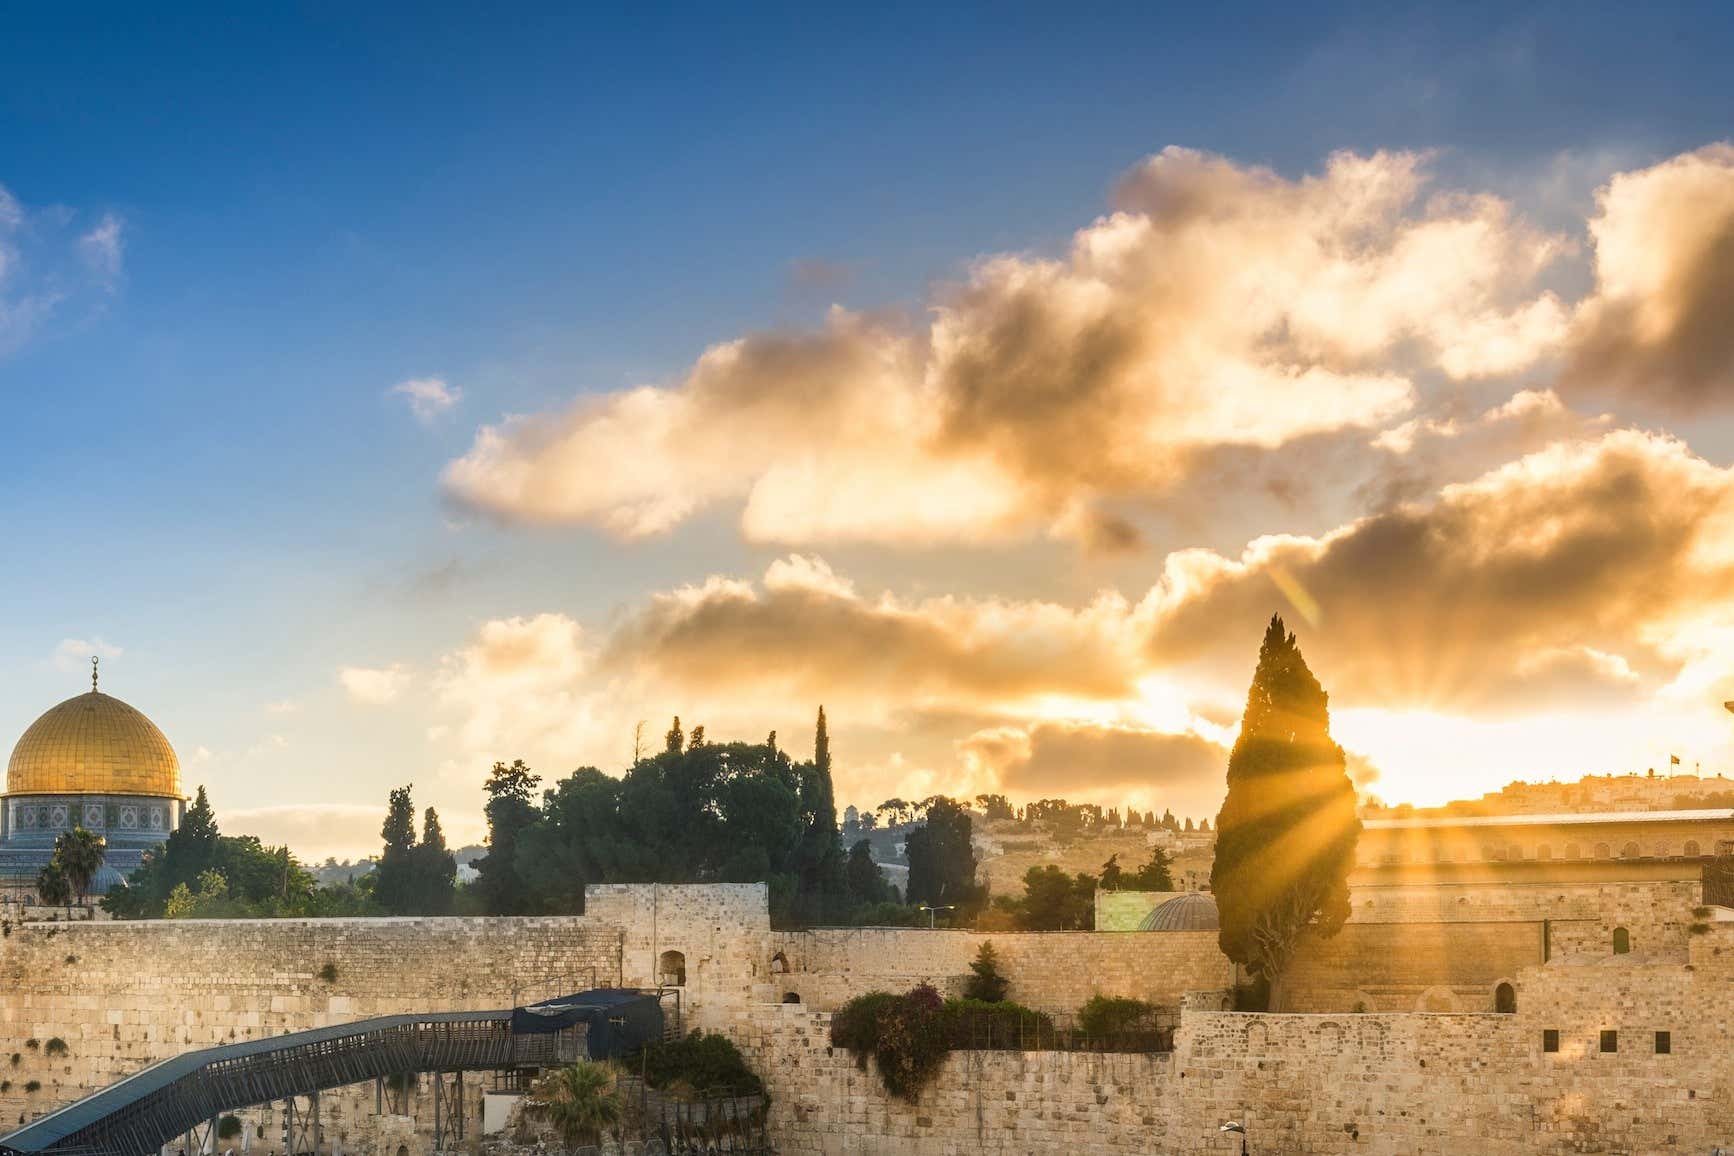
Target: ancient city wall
(1408, 966)
(1052, 971)
(119, 995)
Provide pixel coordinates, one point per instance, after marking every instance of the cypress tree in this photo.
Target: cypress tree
(436, 869)
(1285, 838)
(394, 884)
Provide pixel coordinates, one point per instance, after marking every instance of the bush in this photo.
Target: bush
(912, 1042)
(55, 1047)
(986, 983)
(976, 1024)
(33, 1086)
(33, 1043)
(855, 1025)
(887, 915)
(328, 973)
(228, 1127)
(1104, 1015)
(702, 1061)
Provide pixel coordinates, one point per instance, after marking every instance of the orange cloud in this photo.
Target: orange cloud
(1660, 324)
(1565, 575)
(1217, 306)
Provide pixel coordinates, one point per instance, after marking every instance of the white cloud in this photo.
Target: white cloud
(374, 686)
(103, 249)
(1217, 306)
(74, 654)
(45, 269)
(283, 706)
(428, 397)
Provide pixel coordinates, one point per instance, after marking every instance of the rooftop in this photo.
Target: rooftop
(1563, 819)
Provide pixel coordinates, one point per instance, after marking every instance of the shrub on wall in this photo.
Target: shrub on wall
(328, 973)
(701, 1062)
(1104, 1015)
(55, 1047)
(909, 1035)
(33, 1086)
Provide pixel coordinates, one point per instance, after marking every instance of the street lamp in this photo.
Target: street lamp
(931, 916)
(1233, 1126)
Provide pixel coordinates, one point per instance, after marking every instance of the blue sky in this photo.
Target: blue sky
(202, 464)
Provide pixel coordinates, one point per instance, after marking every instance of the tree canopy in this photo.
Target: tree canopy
(212, 875)
(696, 811)
(1287, 830)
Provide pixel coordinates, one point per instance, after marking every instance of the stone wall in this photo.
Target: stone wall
(1384, 1084)
(120, 995)
(1051, 971)
(1408, 966)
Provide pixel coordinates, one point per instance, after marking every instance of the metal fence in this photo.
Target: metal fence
(1015, 1032)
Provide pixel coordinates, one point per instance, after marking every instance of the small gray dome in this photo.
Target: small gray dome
(1194, 911)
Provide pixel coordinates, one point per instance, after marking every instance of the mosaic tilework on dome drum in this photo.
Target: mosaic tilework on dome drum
(93, 744)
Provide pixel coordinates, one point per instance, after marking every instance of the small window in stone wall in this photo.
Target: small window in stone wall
(1622, 941)
(1505, 999)
(1550, 1040)
(1610, 1041)
(1664, 1043)
(671, 969)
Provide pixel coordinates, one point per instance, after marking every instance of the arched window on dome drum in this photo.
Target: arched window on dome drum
(1691, 851)
(1544, 852)
(1514, 853)
(1603, 851)
(1572, 851)
(1630, 851)
(1505, 999)
(1622, 941)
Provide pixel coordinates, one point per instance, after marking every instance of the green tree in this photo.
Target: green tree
(580, 1101)
(1056, 901)
(821, 886)
(1113, 876)
(986, 983)
(80, 854)
(52, 886)
(865, 878)
(941, 860)
(394, 879)
(509, 813)
(436, 869)
(1153, 876)
(1287, 830)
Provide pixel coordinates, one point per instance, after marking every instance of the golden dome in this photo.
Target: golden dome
(93, 744)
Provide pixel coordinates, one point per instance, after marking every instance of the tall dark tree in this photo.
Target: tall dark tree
(394, 884)
(436, 869)
(509, 812)
(1285, 838)
(941, 860)
(674, 741)
(865, 878)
